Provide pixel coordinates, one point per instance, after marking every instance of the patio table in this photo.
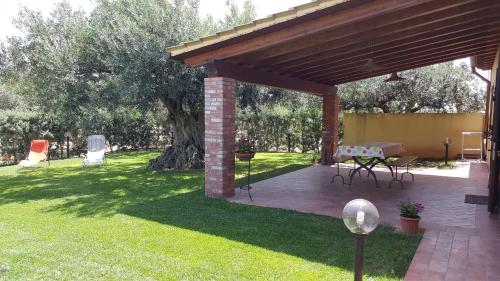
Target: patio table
(378, 152)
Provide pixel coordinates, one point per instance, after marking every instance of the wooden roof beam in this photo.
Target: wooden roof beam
(243, 74)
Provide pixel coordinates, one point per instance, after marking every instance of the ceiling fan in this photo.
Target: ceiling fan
(370, 65)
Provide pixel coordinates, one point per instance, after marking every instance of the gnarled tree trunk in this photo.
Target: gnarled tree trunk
(187, 151)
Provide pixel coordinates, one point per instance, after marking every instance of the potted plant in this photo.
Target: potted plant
(409, 216)
(245, 150)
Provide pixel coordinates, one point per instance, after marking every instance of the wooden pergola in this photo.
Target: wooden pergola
(315, 47)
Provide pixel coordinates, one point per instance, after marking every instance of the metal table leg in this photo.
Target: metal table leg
(367, 166)
(381, 160)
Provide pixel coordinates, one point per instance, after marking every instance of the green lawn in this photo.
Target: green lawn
(119, 222)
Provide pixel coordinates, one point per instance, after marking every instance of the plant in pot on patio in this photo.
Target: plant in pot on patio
(245, 150)
(409, 216)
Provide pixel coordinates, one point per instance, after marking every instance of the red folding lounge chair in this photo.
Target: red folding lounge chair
(39, 150)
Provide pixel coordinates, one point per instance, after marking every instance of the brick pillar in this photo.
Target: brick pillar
(329, 132)
(220, 133)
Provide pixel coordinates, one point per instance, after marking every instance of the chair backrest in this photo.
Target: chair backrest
(38, 150)
(96, 143)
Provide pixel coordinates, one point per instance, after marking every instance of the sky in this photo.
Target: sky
(10, 9)
(263, 7)
(216, 8)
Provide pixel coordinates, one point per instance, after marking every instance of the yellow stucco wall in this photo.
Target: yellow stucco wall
(421, 134)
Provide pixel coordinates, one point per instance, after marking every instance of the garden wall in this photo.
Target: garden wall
(422, 134)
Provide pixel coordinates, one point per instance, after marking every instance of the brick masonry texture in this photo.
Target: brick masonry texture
(220, 108)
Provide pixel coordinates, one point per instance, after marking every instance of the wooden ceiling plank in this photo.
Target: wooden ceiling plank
(407, 56)
(389, 65)
(395, 69)
(372, 9)
(421, 38)
(295, 52)
(402, 68)
(415, 60)
(349, 71)
(398, 66)
(362, 57)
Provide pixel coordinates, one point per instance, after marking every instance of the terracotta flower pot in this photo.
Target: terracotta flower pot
(410, 225)
(245, 156)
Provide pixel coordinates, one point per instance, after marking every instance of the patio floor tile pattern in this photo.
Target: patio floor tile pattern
(469, 252)
(461, 241)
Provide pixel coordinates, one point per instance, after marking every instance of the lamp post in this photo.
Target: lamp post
(360, 217)
(447, 142)
(67, 135)
(289, 139)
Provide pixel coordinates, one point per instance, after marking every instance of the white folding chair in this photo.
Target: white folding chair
(96, 147)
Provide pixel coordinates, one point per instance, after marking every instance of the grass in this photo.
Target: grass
(119, 222)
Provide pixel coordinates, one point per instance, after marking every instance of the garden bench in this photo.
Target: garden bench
(404, 161)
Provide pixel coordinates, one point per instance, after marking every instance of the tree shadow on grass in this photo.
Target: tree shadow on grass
(103, 192)
(316, 238)
(177, 199)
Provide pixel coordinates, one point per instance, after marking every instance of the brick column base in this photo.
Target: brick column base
(220, 133)
(329, 133)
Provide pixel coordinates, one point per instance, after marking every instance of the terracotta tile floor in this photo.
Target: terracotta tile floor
(461, 241)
